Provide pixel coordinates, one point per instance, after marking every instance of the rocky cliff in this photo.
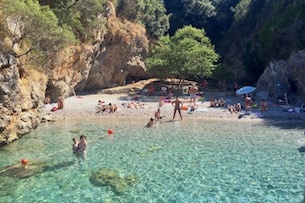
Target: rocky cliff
(115, 56)
(20, 99)
(284, 77)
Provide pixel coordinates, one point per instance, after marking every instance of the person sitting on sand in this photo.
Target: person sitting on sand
(263, 105)
(248, 104)
(150, 123)
(47, 99)
(192, 108)
(103, 108)
(221, 102)
(213, 102)
(112, 108)
(232, 108)
(99, 106)
(177, 107)
(60, 103)
(238, 107)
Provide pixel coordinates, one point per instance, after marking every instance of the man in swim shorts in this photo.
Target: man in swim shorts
(193, 91)
(177, 107)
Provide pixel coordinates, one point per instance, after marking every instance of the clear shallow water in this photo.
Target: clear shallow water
(175, 162)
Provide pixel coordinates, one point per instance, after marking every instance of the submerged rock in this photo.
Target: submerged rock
(113, 180)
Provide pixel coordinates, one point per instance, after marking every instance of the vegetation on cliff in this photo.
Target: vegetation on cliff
(31, 29)
(247, 34)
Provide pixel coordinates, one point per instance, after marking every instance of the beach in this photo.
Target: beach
(143, 107)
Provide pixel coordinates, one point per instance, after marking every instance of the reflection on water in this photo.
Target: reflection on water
(182, 161)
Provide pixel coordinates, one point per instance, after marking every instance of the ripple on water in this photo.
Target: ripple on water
(198, 161)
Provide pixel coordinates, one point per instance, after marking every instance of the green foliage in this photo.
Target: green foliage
(159, 64)
(222, 72)
(199, 8)
(34, 27)
(275, 27)
(79, 15)
(190, 12)
(155, 19)
(188, 53)
(151, 13)
(241, 9)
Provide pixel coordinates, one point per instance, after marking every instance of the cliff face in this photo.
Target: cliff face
(269, 31)
(115, 56)
(20, 99)
(284, 77)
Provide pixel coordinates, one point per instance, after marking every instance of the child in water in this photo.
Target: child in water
(74, 145)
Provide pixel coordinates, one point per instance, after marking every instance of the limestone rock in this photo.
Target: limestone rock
(284, 77)
(20, 100)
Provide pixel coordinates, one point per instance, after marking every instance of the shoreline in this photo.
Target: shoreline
(84, 107)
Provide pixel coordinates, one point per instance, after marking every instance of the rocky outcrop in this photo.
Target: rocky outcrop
(20, 99)
(119, 55)
(116, 55)
(284, 77)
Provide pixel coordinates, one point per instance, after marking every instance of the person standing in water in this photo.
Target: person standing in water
(81, 148)
(74, 145)
(177, 107)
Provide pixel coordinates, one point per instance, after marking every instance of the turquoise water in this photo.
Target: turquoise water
(182, 161)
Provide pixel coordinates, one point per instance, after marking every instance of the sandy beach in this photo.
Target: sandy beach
(85, 106)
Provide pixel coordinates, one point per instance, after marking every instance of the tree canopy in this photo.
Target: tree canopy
(33, 28)
(78, 15)
(188, 53)
(151, 13)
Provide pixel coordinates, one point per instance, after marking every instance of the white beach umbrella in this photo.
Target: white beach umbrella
(245, 90)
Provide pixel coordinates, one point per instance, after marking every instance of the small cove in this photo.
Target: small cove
(181, 161)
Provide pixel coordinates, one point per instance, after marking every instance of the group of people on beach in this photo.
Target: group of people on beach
(177, 104)
(106, 108)
(235, 108)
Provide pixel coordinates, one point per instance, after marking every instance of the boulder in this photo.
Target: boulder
(284, 78)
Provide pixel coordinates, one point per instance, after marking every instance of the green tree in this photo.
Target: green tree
(33, 28)
(79, 15)
(188, 53)
(189, 12)
(241, 10)
(151, 13)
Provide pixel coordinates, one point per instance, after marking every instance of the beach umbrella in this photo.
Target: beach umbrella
(245, 90)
